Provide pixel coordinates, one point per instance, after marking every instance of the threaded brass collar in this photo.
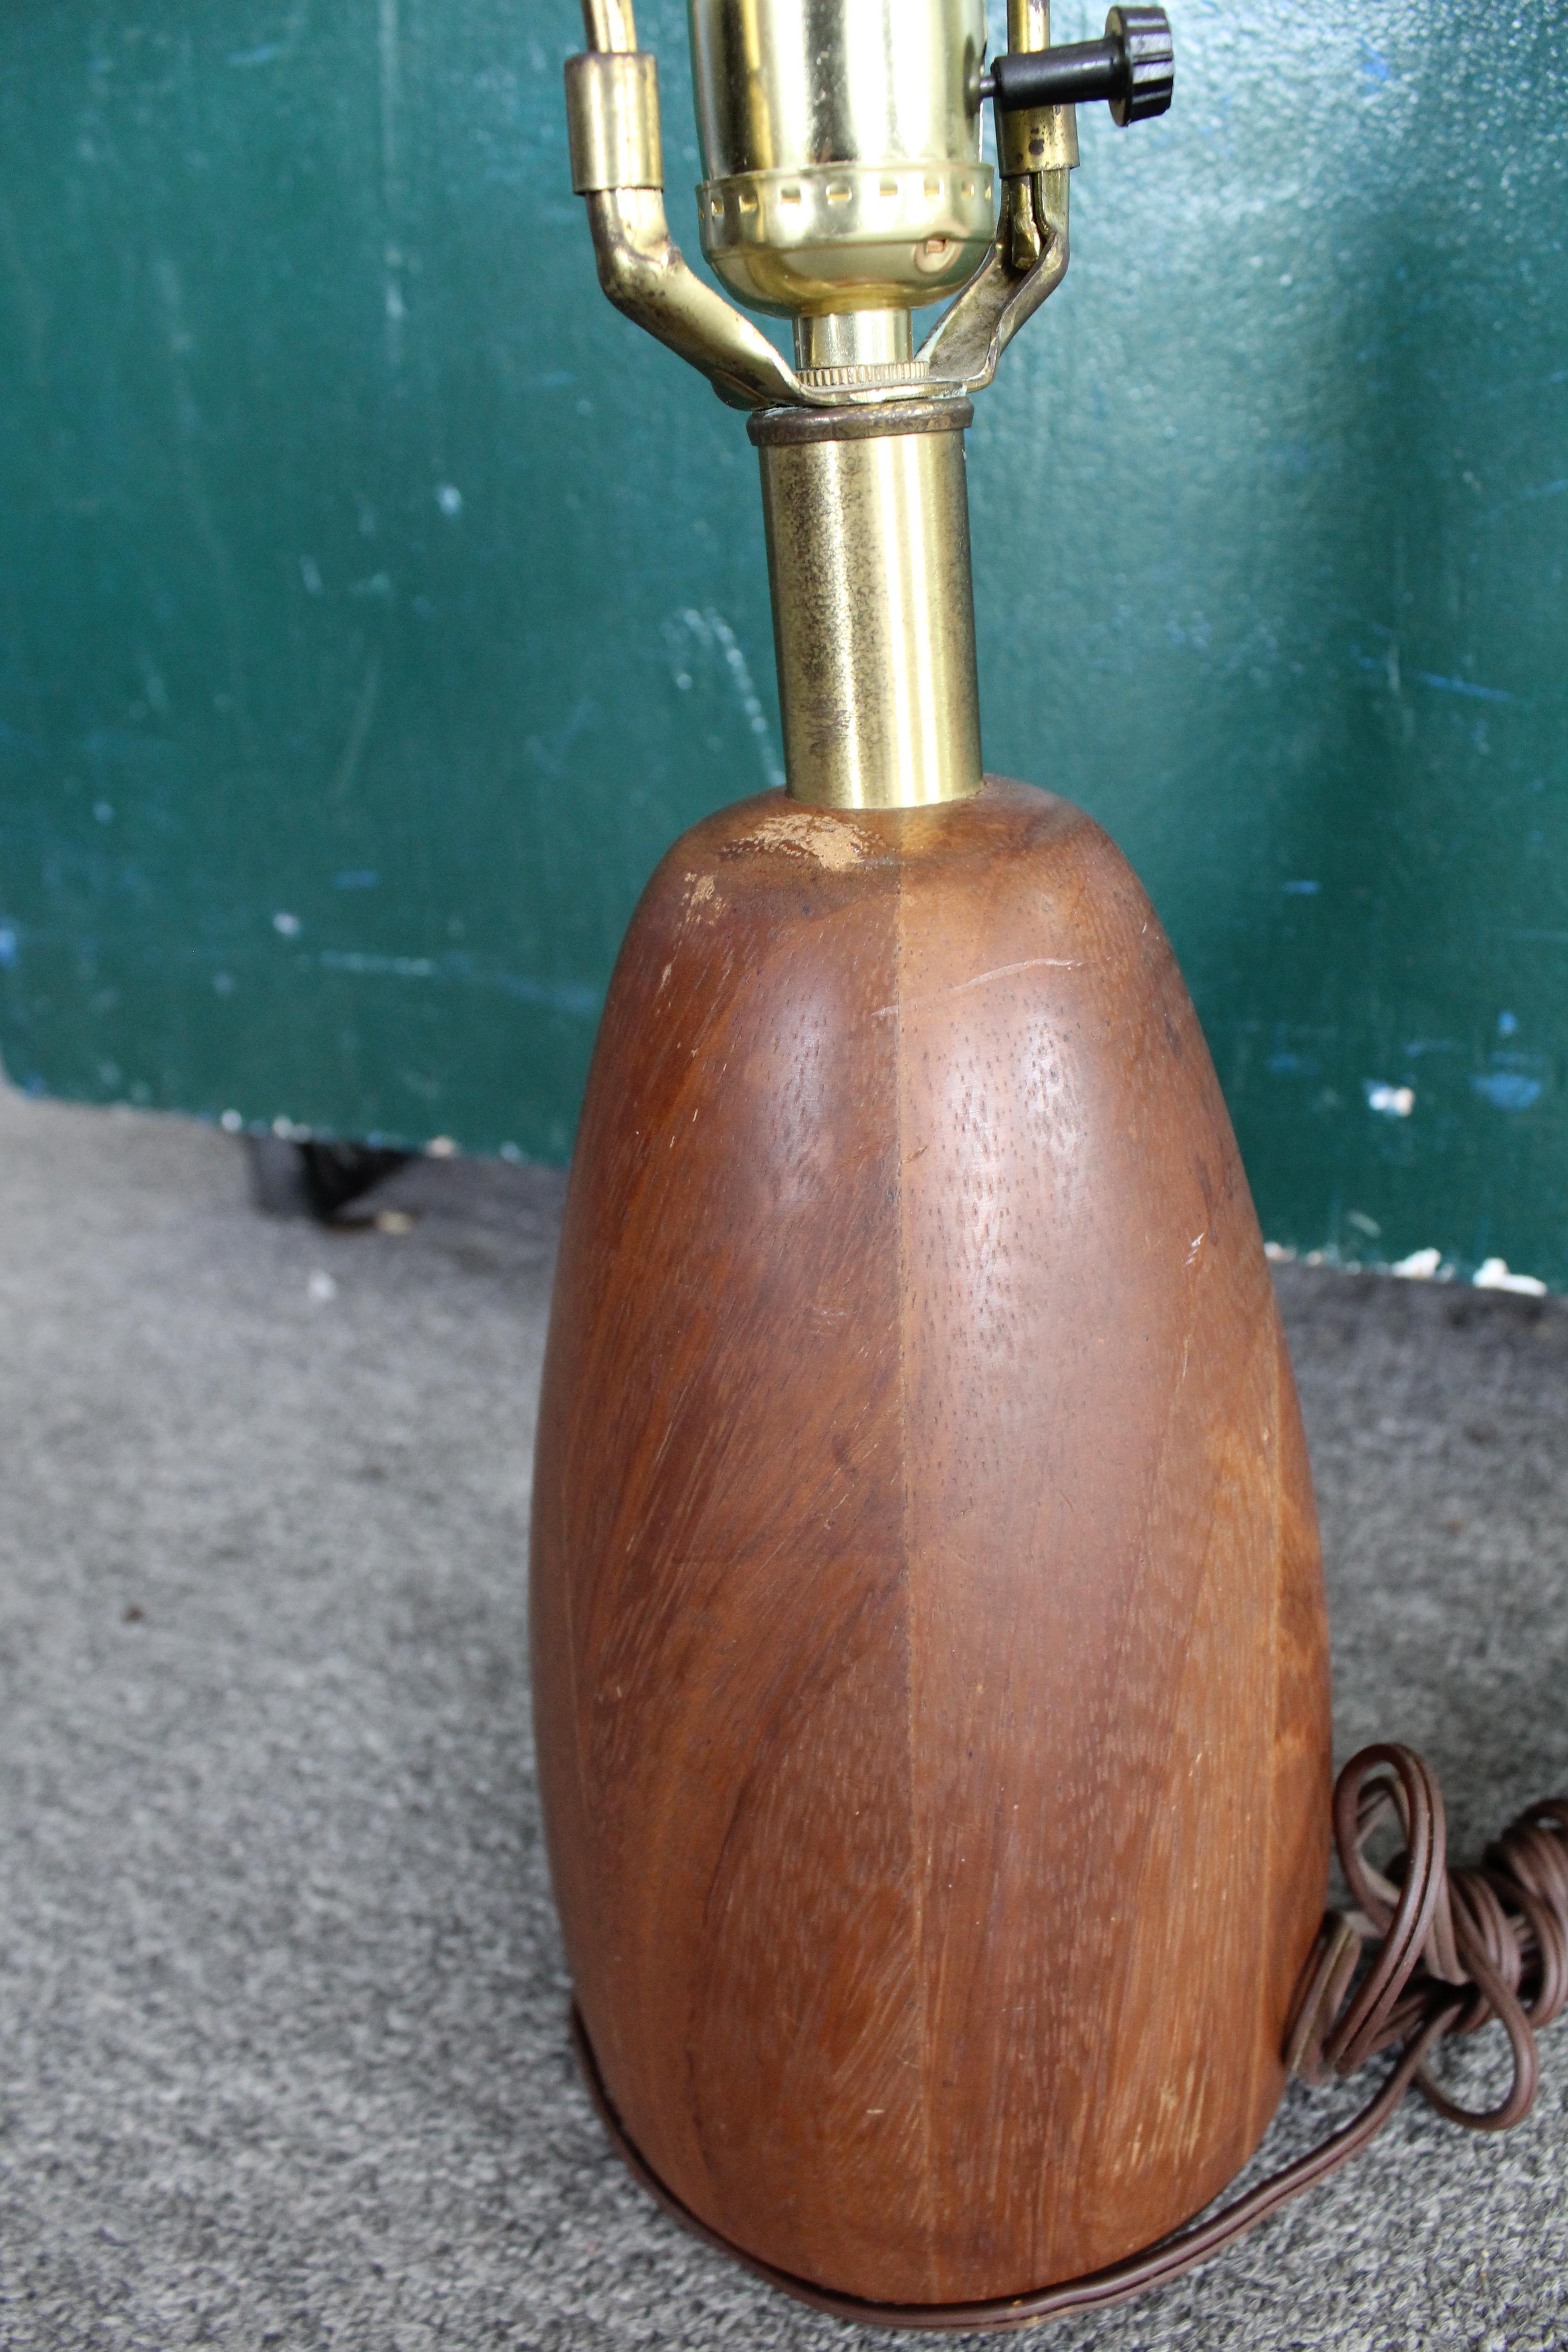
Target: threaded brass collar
(774, 428)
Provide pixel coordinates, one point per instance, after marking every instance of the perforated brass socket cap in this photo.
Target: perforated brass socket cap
(841, 237)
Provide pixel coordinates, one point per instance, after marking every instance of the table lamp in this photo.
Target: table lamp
(931, 1661)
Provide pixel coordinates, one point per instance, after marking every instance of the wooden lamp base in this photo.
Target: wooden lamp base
(930, 1664)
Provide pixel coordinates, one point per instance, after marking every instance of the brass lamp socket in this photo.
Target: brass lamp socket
(841, 149)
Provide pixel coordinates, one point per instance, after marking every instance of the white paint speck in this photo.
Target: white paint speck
(1394, 1102)
(288, 927)
(1420, 1266)
(231, 1122)
(440, 1146)
(322, 1286)
(1493, 1275)
(449, 498)
(311, 576)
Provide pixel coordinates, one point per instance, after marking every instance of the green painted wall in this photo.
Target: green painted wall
(376, 604)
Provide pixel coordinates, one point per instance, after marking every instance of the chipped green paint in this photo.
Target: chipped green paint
(327, 477)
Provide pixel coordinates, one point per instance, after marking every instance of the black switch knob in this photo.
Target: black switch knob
(1144, 34)
(1134, 69)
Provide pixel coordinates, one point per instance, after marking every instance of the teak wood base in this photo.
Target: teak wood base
(929, 1657)
(1095, 2292)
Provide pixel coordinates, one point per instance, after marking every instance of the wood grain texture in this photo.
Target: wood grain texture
(929, 1656)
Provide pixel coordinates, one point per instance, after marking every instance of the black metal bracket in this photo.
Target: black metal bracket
(313, 1180)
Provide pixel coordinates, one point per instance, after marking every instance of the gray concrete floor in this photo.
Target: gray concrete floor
(281, 1999)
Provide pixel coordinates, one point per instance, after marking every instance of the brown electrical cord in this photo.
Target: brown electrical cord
(1454, 1949)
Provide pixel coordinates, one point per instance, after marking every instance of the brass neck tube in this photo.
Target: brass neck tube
(867, 528)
